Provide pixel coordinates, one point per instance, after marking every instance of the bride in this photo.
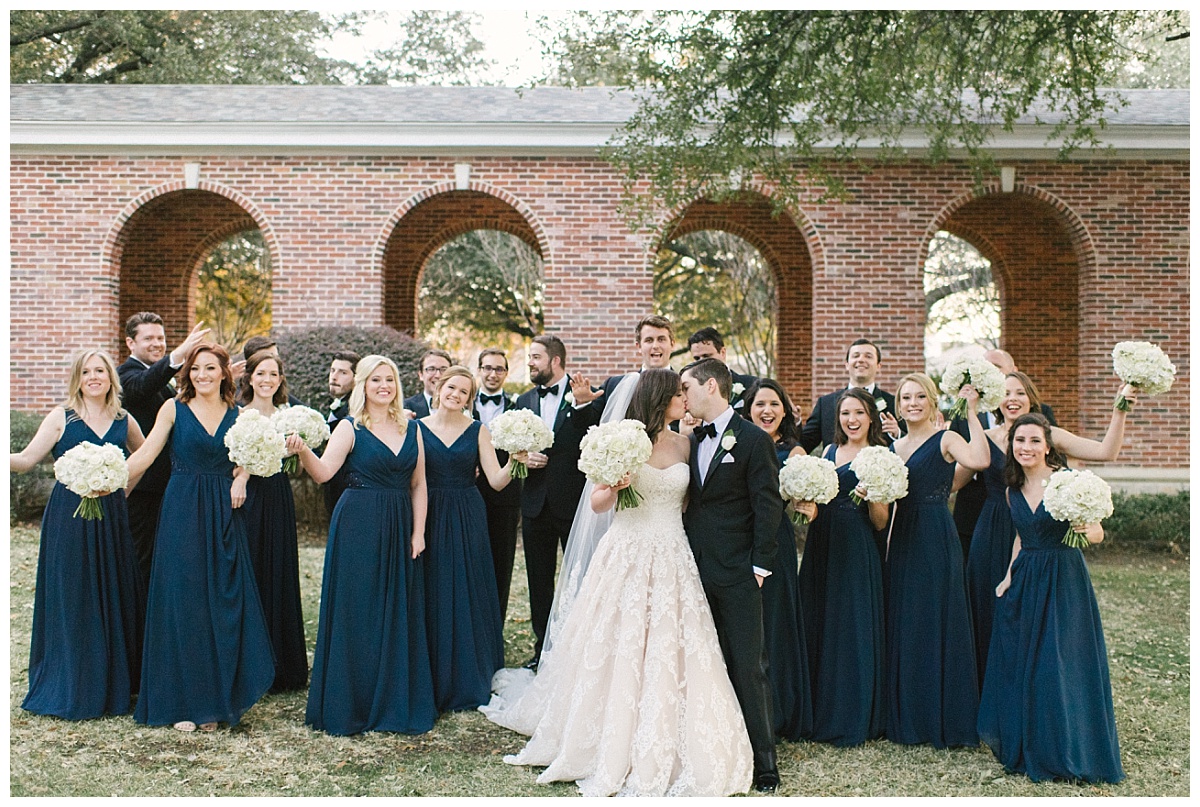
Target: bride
(633, 698)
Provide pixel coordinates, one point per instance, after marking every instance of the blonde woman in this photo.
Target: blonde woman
(371, 663)
(85, 652)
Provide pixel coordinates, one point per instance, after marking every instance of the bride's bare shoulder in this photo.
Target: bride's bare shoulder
(681, 445)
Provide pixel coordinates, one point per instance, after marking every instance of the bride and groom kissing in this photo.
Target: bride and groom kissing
(655, 682)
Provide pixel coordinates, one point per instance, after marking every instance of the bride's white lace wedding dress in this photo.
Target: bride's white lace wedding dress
(634, 698)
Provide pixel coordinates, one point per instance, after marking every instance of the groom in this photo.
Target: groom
(731, 521)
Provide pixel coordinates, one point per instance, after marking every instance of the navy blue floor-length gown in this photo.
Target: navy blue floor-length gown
(931, 691)
(987, 561)
(85, 651)
(270, 516)
(841, 585)
(1046, 709)
(462, 611)
(371, 664)
(207, 655)
(784, 637)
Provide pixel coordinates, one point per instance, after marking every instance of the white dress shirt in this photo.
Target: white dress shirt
(551, 402)
(708, 448)
(488, 410)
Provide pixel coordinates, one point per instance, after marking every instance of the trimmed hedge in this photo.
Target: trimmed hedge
(307, 353)
(1153, 522)
(28, 492)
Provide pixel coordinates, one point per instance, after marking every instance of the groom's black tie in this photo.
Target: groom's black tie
(705, 432)
(544, 391)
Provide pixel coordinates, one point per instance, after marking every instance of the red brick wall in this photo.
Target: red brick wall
(1087, 253)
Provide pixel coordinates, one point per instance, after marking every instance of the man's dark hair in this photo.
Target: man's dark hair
(704, 369)
(255, 344)
(433, 351)
(493, 351)
(347, 356)
(654, 321)
(709, 334)
(857, 342)
(554, 347)
(141, 318)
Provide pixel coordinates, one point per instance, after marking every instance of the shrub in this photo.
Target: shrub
(1150, 521)
(28, 492)
(307, 352)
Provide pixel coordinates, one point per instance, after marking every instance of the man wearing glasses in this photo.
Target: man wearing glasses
(434, 362)
(503, 506)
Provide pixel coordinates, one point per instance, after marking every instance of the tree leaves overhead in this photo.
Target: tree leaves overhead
(235, 47)
(728, 94)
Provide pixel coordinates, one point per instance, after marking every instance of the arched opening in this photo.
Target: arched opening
(233, 289)
(162, 246)
(784, 250)
(962, 301)
(1036, 259)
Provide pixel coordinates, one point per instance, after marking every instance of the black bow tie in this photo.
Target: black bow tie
(498, 398)
(704, 432)
(544, 391)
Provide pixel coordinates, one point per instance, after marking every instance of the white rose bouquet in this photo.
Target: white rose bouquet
(881, 471)
(520, 430)
(984, 376)
(807, 479)
(613, 449)
(255, 444)
(301, 420)
(1078, 498)
(88, 470)
(1142, 365)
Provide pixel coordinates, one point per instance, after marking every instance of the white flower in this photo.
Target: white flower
(1077, 497)
(739, 388)
(882, 473)
(520, 430)
(728, 441)
(611, 450)
(808, 479)
(301, 420)
(1143, 365)
(89, 469)
(569, 397)
(984, 376)
(880, 404)
(255, 444)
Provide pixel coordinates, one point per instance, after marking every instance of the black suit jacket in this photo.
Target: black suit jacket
(143, 391)
(557, 487)
(511, 495)
(732, 517)
(739, 401)
(818, 429)
(418, 404)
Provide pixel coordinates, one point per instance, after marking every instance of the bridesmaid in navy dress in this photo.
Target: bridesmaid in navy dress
(1046, 709)
(270, 516)
(841, 584)
(462, 612)
(371, 663)
(207, 656)
(783, 609)
(991, 543)
(85, 652)
(930, 690)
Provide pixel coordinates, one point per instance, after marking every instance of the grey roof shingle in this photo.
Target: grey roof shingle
(377, 104)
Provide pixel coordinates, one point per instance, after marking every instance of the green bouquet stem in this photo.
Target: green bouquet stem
(1122, 405)
(1076, 539)
(291, 464)
(799, 519)
(518, 470)
(89, 509)
(854, 497)
(628, 497)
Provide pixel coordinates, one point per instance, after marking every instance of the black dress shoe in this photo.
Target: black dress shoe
(766, 781)
(531, 665)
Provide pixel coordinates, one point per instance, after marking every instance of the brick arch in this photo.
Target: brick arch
(426, 221)
(155, 245)
(1041, 255)
(791, 246)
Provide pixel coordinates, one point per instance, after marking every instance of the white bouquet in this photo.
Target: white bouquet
(255, 444)
(881, 471)
(520, 430)
(611, 450)
(1078, 498)
(87, 470)
(979, 373)
(807, 479)
(301, 420)
(1142, 365)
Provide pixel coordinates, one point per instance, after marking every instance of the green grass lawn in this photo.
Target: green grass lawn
(1143, 601)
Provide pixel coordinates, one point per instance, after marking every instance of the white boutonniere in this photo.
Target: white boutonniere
(738, 388)
(335, 404)
(569, 397)
(728, 441)
(880, 404)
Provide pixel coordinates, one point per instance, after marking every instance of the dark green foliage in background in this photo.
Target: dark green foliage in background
(1153, 522)
(27, 492)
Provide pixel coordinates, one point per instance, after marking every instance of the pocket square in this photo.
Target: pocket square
(726, 458)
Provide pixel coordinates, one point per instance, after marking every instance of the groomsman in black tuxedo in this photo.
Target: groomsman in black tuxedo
(655, 339)
(434, 362)
(341, 384)
(968, 501)
(503, 506)
(731, 522)
(551, 492)
(147, 381)
(863, 359)
(707, 343)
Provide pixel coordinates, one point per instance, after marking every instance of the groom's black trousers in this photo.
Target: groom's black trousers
(737, 612)
(542, 535)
